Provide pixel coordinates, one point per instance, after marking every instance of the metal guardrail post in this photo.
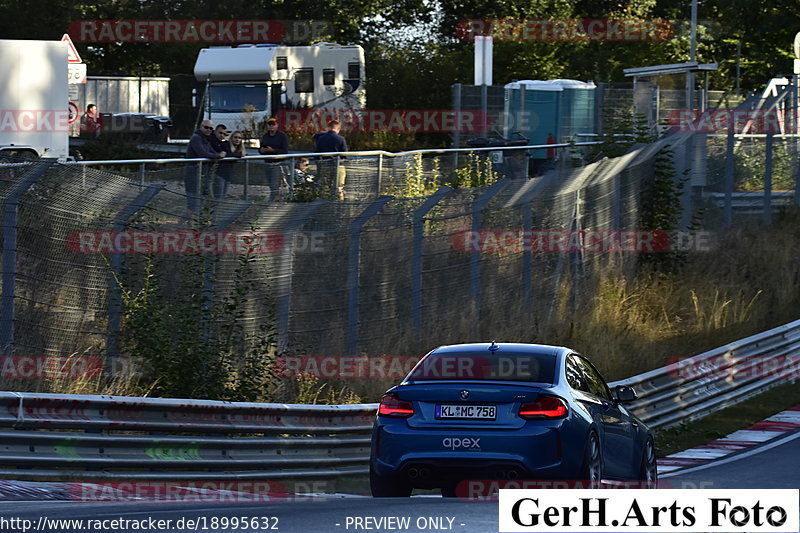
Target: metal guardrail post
(768, 179)
(142, 173)
(729, 166)
(478, 206)
(114, 289)
(286, 270)
(416, 257)
(354, 271)
(10, 212)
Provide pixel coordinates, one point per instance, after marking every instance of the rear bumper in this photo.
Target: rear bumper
(432, 457)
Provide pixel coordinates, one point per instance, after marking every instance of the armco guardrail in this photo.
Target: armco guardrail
(47, 436)
(107, 437)
(700, 385)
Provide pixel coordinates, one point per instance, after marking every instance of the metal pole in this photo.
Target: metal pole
(10, 212)
(738, 67)
(354, 272)
(576, 256)
(209, 270)
(475, 256)
(284, 286)
(416, 258)
(142, 173)
(768, 179)
(457, 133)
(692, 56)
(114, 289)
(729, 165)
(484, 110)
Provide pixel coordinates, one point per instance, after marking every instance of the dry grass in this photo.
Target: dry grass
(747, 284)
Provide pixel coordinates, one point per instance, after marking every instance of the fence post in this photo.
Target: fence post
(768, 179)
(729, 165)
(479, 205)
(10, 212)
(526, 196)
(209, 269)
(286, 270)
(354, 271)
(114, 289)
(142, 173)
(289, 174)
(416, 258)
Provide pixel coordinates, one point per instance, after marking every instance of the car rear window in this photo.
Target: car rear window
(507, 366)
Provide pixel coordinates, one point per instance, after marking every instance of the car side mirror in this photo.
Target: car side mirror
(624, 394)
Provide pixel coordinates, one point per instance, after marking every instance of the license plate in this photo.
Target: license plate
(469, 412)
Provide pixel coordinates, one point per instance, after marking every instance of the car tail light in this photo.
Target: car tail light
(394, 407)
(544, 407)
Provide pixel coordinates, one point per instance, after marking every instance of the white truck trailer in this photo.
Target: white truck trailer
(247, 84)
(34, 99)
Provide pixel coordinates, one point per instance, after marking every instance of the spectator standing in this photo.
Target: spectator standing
(274, 142)
(219, 143)
(234, 148)
(91, 122)
(332, 141)
(199, 146)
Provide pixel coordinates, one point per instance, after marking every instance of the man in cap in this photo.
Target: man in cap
(274, 142)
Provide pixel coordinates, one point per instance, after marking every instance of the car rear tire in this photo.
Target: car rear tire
(387, 486)
(592, 470)
(648, 472)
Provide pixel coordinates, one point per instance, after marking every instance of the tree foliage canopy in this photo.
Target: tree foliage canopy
(413, 52)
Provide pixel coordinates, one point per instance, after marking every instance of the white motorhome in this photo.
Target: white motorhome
(247, 84)
(34, 99)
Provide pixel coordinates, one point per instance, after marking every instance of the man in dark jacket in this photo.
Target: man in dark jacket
(274, 142)
(331, 141)
(194, 173)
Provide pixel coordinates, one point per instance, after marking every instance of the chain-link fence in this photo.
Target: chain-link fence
(426, 250)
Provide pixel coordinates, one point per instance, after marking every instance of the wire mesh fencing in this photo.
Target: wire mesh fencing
(458, 253)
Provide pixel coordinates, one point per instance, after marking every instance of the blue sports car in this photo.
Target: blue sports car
(505, 411)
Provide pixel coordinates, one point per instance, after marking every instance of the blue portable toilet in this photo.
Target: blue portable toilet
(533, 109)
(577, 108)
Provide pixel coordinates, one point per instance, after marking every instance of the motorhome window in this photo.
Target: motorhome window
(238, 98)
(304, 80)
(353, 71)
(329, 76)
(281, 63)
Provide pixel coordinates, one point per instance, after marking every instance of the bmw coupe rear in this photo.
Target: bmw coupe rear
(504, 411)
